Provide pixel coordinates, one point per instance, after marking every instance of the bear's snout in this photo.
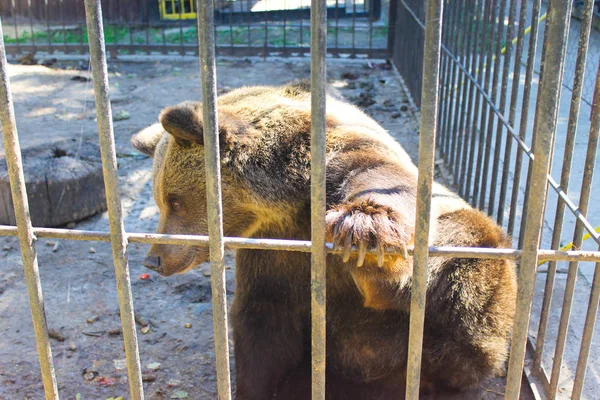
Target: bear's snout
(152, 262)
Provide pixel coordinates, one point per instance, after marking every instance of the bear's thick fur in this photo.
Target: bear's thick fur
(264, 135)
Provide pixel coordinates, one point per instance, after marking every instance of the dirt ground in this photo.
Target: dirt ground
(175, 324)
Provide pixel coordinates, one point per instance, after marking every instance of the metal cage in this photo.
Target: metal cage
(455, 99)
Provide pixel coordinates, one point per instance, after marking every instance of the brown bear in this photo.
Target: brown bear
(264, 135)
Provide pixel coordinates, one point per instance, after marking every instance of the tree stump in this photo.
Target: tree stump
(64, 184)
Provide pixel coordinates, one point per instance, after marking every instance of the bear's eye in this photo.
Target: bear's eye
(174, 204)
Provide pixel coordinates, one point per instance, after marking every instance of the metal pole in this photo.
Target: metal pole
(318, 79)
(25, 230)
(586, 25)
(590, 319)
(429, 115)
(93, 12)
(546, 111)
(208, 77)
(584, 199)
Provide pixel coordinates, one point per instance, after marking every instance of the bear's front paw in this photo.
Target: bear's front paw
(366, 224)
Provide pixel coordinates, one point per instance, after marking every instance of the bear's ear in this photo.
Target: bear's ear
(145, 141)
(184, 122)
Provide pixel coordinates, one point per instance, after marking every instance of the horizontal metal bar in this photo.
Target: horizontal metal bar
(235, 50)
(303, 246)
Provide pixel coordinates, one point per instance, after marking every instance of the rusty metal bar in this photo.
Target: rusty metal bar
(588, 332)
(25, 230)
(294, 245)
(584, 198)
(527, 151)
(458, 129)
(429, 115)
(467, 134)
(111, 182)
(512, 109)
(479, 73)
(318, 79)
(586, 26)
(545, 44)
(15, 23)
(455, 80)
(503, 90)
(208, 77)
(448, 31)
(533, 39)
(485, 136)
(547, 110)
(590, 320)
(448, 82)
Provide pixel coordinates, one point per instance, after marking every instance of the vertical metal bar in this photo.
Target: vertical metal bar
(490, 127)
(584, 198)
(337, 25)
(461, 136)
(64, 29)
(462, 81)
(180, 23)
(480, 73)
(429, 114)
(586, 26)
(266, 41)
(26, 236)
(130, 23)
(535, 124)
(148, 27)
(111, 183)
(30, 15)
(592, 312)
(371, 17)
(318, 79)
(48, 33)
(285, 53)
(588, 332)
(114, 50)
(512, 107)
(15, 24)
(451, 97)
(353, 55)
(469, 110)
(301, 41)
(448, 30)
(164, 38)
(82, 47)
(230, 19)
(208, 76)
(529, 70)
(546, 110)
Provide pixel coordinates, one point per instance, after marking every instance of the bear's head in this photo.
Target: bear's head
(179, 183)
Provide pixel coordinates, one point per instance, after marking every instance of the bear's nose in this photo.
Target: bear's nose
(152, 262)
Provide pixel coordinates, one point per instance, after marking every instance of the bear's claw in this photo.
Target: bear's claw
(365, 224)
